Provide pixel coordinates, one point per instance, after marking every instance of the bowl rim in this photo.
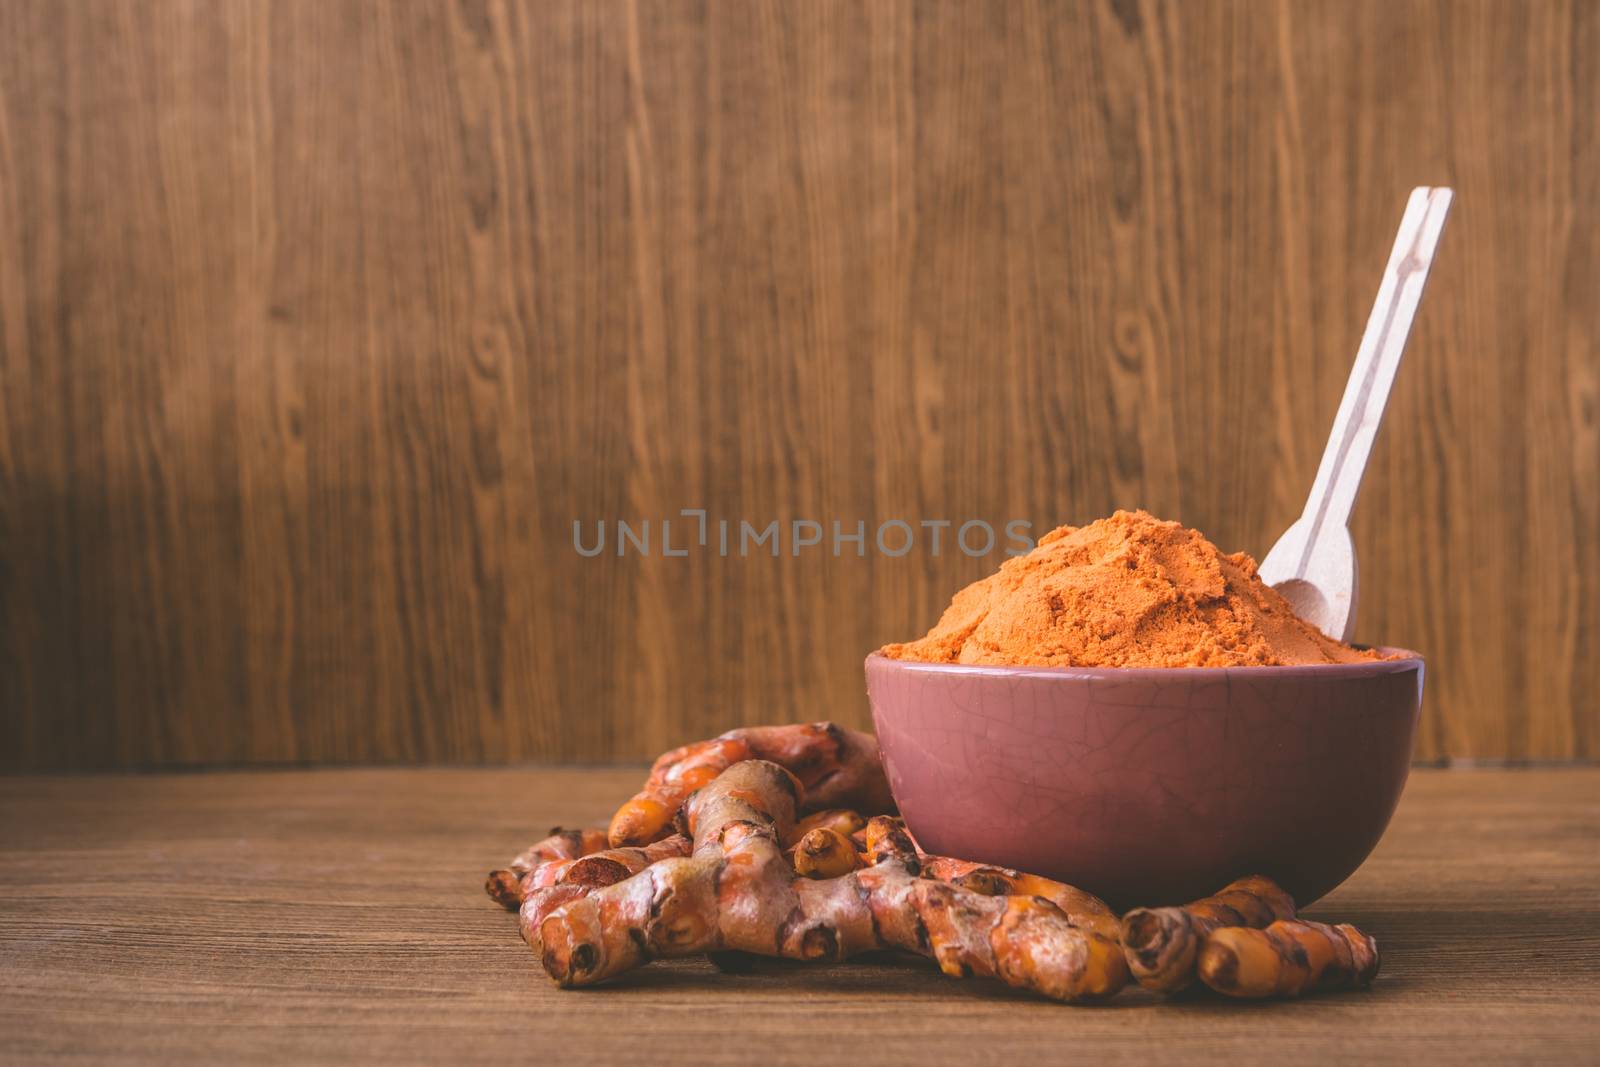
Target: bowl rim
(1406, 660)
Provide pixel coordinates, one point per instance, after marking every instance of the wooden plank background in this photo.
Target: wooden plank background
(320, 324)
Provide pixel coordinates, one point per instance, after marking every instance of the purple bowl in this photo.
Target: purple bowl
(1151, 785)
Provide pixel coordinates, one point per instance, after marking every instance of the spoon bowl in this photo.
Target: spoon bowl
(1321, 590)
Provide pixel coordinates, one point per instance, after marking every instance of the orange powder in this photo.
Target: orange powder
(1128, 591)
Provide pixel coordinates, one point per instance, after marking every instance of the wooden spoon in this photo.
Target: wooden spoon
(1314, 563)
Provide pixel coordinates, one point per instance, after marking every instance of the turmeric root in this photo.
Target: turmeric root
(558, 882)
(1288, 958)
(506, 885)
(612, 865)
(840, 820)
(886, 838)
(837, 767)
(1162, 944)
(546, 875)
(676, 774)
(1084, 910)
(736, 893)
(825, 853)
(504, 888)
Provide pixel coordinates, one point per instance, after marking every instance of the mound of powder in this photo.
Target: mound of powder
(1128, 591)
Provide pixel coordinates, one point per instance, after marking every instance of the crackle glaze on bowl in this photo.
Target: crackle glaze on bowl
(1151, 786)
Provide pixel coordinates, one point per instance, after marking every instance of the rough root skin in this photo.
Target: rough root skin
(843, 821)
(885, 838)
(509, 885)
(561, 882)
(1163, 944)
(675, 775)
(1083, 910)
(838, 767)
(1289, 958)
(1032, 961)
(746, 875)
(737, 893)
(825, 853)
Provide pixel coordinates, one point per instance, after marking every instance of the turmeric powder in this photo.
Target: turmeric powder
(1127, 591)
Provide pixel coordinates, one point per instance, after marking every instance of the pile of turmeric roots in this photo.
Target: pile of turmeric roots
(777, 840)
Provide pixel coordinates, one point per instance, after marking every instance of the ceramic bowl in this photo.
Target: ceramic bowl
(1151, 786)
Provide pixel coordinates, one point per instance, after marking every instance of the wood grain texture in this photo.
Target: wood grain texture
(320, 324)
(337, 915)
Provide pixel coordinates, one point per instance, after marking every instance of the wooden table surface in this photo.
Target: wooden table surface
(338, 915)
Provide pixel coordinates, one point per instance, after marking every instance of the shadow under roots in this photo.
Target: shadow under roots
(877, 974)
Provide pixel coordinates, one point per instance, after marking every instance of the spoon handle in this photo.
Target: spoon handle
(1333, 494)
